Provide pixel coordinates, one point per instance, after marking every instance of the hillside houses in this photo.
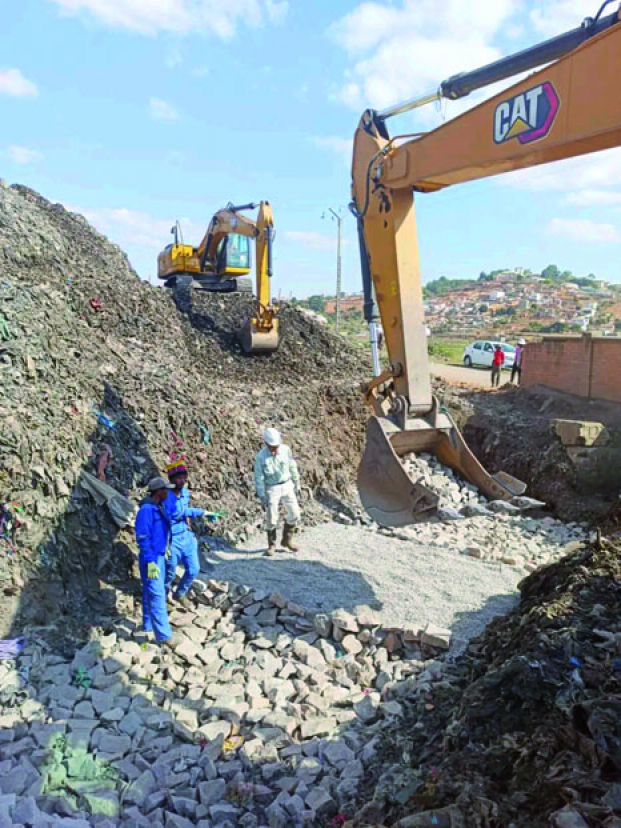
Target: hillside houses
(514, 301)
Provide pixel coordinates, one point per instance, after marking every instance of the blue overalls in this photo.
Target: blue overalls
(153, 537)
(184, 546)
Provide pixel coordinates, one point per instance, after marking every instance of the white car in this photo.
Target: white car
(481, 353)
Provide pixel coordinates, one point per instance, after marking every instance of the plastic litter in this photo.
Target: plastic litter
(205, 432)
(103, 419)
(81, 678)
(11, 647)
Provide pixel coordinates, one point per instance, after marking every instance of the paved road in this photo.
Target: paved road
(479, 377)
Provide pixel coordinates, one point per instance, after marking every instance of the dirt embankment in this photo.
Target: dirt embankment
(511, 430)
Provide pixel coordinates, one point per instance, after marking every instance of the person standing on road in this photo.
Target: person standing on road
(277, 480)
(184, 546)
(153, 538)
(497, 363)
(516, 368)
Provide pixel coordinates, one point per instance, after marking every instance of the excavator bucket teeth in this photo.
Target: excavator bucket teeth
(386, 491)
(255, 341)
(452, 450)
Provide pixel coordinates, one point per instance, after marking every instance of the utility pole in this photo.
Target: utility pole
(338, 218)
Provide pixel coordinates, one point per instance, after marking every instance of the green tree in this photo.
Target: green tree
(550, 272)
(317, 303)
(555, 327)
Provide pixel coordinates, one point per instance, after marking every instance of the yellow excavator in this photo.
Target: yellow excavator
(569, 108)
(222, 261)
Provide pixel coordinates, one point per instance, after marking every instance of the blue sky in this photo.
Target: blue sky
(138, 112)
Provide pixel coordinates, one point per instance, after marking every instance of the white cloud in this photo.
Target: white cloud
(586, 172)
(277, 10)
(200, 71)
(407, 48)
(13, 83)
(335, 144)
(314, 241)
(590, 198)
(584, 230)
(162, 111)
(181, 16)
(136, 228)
(552, 19)
(22, 155)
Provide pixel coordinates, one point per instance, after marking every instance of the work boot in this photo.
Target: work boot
(287, 538)
(271, 543)
(169, 643)
(184, 601)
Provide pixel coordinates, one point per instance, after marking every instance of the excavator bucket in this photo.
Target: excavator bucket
(256, 341)
(387, 492)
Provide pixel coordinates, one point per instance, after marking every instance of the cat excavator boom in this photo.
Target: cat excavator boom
(569, 108)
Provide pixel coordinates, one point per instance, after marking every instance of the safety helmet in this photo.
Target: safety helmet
(521, 342)
(272, 437)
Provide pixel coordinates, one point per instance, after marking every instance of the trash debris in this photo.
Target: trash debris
(206, 433)
(11, 647)
(531, 712)
(103, 418)
(81, 678)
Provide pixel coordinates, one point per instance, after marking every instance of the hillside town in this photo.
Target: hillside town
(507, 302)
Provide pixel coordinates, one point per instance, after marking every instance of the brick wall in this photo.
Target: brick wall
(583, 365)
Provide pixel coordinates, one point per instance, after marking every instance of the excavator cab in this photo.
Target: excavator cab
(233, 258)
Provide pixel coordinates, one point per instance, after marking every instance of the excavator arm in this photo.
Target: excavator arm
(569, 108)
(260, 333)
(211, 260)
(224, 223)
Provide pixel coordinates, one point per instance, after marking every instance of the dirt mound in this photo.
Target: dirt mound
(529, 724)
(99, 366)
(510, 430)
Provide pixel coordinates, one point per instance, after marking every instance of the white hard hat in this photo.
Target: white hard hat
(272, 437)
(521, 342)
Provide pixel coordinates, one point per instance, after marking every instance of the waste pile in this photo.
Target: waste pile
(524, 729)
(262, 715)
(104, 379)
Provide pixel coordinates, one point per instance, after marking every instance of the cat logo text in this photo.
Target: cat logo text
(528, 116)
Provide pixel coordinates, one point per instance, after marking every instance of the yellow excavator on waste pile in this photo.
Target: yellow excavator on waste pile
(222, 261)
(569, 108)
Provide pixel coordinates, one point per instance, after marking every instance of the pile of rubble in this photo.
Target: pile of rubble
(524, 732)
(102, 374)
(263, 715)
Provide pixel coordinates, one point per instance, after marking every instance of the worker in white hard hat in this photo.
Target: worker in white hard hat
(516, 369)
(277, 481)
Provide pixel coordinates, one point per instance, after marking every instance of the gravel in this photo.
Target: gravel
(408, 583)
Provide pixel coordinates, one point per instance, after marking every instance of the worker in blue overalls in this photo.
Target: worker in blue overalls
(153, 537)
(184, 546)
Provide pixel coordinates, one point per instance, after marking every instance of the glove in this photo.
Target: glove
(153, 571)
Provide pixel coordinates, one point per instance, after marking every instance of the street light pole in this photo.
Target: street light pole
(338, 218)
